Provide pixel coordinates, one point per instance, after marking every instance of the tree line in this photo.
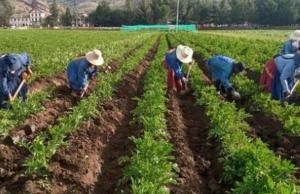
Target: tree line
(264, 12)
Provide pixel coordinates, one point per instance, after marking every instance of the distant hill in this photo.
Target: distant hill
(84, 6)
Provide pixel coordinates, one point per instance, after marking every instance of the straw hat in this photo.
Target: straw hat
(184, 54)
(295, 35)
(95, 57)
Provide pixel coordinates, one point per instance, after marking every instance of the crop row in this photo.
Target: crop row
(20, 111)
(259, 101)
(249, 165)
(45, 145)
(51, 50)
(151, 166)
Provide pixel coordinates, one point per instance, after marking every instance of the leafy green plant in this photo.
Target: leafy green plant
(151, 166)
(249, 165)
(45, 146)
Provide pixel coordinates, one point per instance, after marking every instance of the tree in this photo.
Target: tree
(143, 12)
(159, 11)
(6, 11)
(242, 11)
(287, 12)
(102, 16)
(265, 11)
(52, 20)
(129, 5)
(67, 18)
(224, 12)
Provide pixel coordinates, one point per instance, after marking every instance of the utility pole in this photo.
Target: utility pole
(177, 16)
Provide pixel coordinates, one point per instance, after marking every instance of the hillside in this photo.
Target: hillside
(84, 6)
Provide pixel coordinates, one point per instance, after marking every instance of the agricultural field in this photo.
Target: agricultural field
(128, 136)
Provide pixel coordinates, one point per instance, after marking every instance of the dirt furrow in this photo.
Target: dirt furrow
(267, 129)
(11, 155)
(59, 79)
(196, 154)
(90, 164)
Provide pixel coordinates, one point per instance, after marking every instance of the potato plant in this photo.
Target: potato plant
(151, 166)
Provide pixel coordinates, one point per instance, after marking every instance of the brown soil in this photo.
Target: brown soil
(90, 162)
(60, 78)
(268, 129)
(283, 145)
(196, 153)
(13, 156)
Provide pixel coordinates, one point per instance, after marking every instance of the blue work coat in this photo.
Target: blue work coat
(79, 73)
(9, 82)
(221, 69)
(288, 48)
(175, 64)
(286, 66)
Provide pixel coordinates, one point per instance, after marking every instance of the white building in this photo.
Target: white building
(18, 20)
(80, 20)
(35, 17)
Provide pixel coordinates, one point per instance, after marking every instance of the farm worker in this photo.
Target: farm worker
(268, 74)
(284, 78)
(291, 45)
(81, 70)
(173, 62)
(221, 69)
(14, 71)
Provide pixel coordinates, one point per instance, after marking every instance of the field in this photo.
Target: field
(128, 136)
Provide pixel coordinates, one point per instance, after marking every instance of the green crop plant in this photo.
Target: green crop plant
(249, 165)
(37, 163)
(151, 168)
(208, 45)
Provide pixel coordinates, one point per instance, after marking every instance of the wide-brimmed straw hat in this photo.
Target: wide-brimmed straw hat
(95, 57)
(184, 54)
(295, 35)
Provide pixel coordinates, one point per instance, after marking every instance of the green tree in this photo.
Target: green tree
(159, 11)
(102, 16)
(287, 12)
(143, 12)
(52, 20)
(67, 18)
(6, 11)
(265, 11)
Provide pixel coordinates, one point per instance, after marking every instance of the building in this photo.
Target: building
(37, 17)
(80, 20)
(39, 11)
(19, 20)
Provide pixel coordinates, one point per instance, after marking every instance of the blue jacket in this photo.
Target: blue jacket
(174, 64)
(79, 73)
(221, 68)
(9, 81)
(288, 48)
(286, 66)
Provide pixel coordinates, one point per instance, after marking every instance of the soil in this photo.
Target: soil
(60, 79)
(196, 153)
(90, 164)
(268, 130)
